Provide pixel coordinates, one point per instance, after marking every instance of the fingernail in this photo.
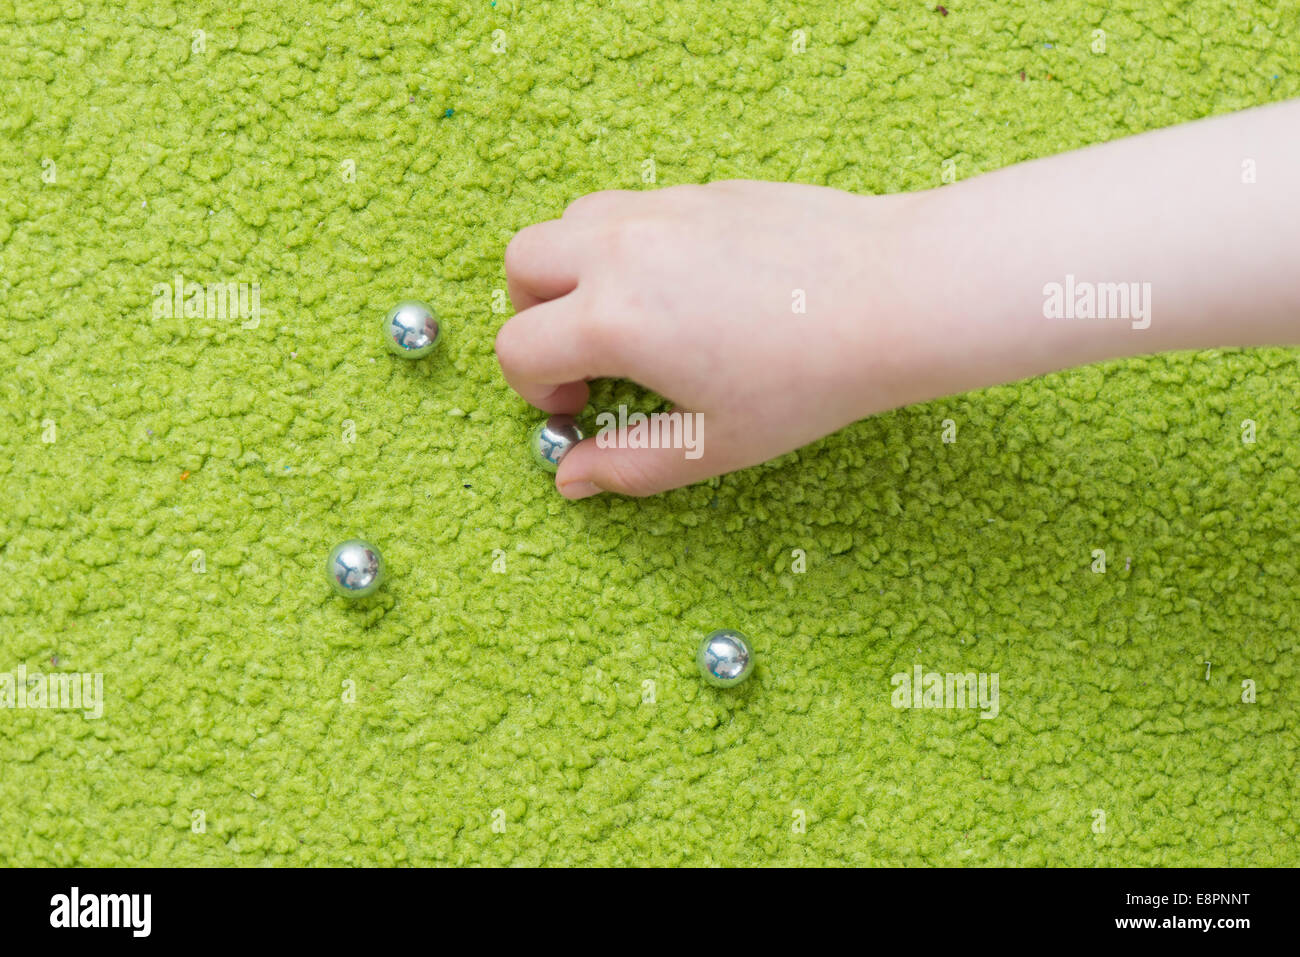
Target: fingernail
(577, 490)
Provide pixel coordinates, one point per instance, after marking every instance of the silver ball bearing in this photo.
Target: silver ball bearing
(411, 329)
(725, 659)
(356, 569)
(552, 440)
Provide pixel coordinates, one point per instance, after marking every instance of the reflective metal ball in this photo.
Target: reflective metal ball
(411, 329)
(356, 569)
(725, 659)
(552, 440)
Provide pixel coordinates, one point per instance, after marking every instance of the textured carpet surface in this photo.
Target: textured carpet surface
(523, 689)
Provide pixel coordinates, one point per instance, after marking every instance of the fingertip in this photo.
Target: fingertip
(580, 489)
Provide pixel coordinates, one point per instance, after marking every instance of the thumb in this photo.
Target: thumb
(589, 468)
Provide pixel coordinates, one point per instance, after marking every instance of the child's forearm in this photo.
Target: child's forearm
(1172, 215)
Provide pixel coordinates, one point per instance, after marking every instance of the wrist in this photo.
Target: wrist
(942, 312)
(972, 296)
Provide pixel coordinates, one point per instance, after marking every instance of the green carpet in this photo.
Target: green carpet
(171, 486)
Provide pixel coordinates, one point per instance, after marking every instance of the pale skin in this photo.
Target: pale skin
(689, 290)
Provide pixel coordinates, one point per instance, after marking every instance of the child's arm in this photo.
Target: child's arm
(692, 291)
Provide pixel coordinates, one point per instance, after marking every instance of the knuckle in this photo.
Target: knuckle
(507, 345)
(594, 325)
(514, 250)
(501, 345)
(606, 329)
(637, 237)
(517, 250)
(686, 196)
(593, 204)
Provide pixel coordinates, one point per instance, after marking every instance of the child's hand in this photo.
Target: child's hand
(694, 291)
(746, 302)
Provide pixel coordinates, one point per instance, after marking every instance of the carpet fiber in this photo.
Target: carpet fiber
(523, 691)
